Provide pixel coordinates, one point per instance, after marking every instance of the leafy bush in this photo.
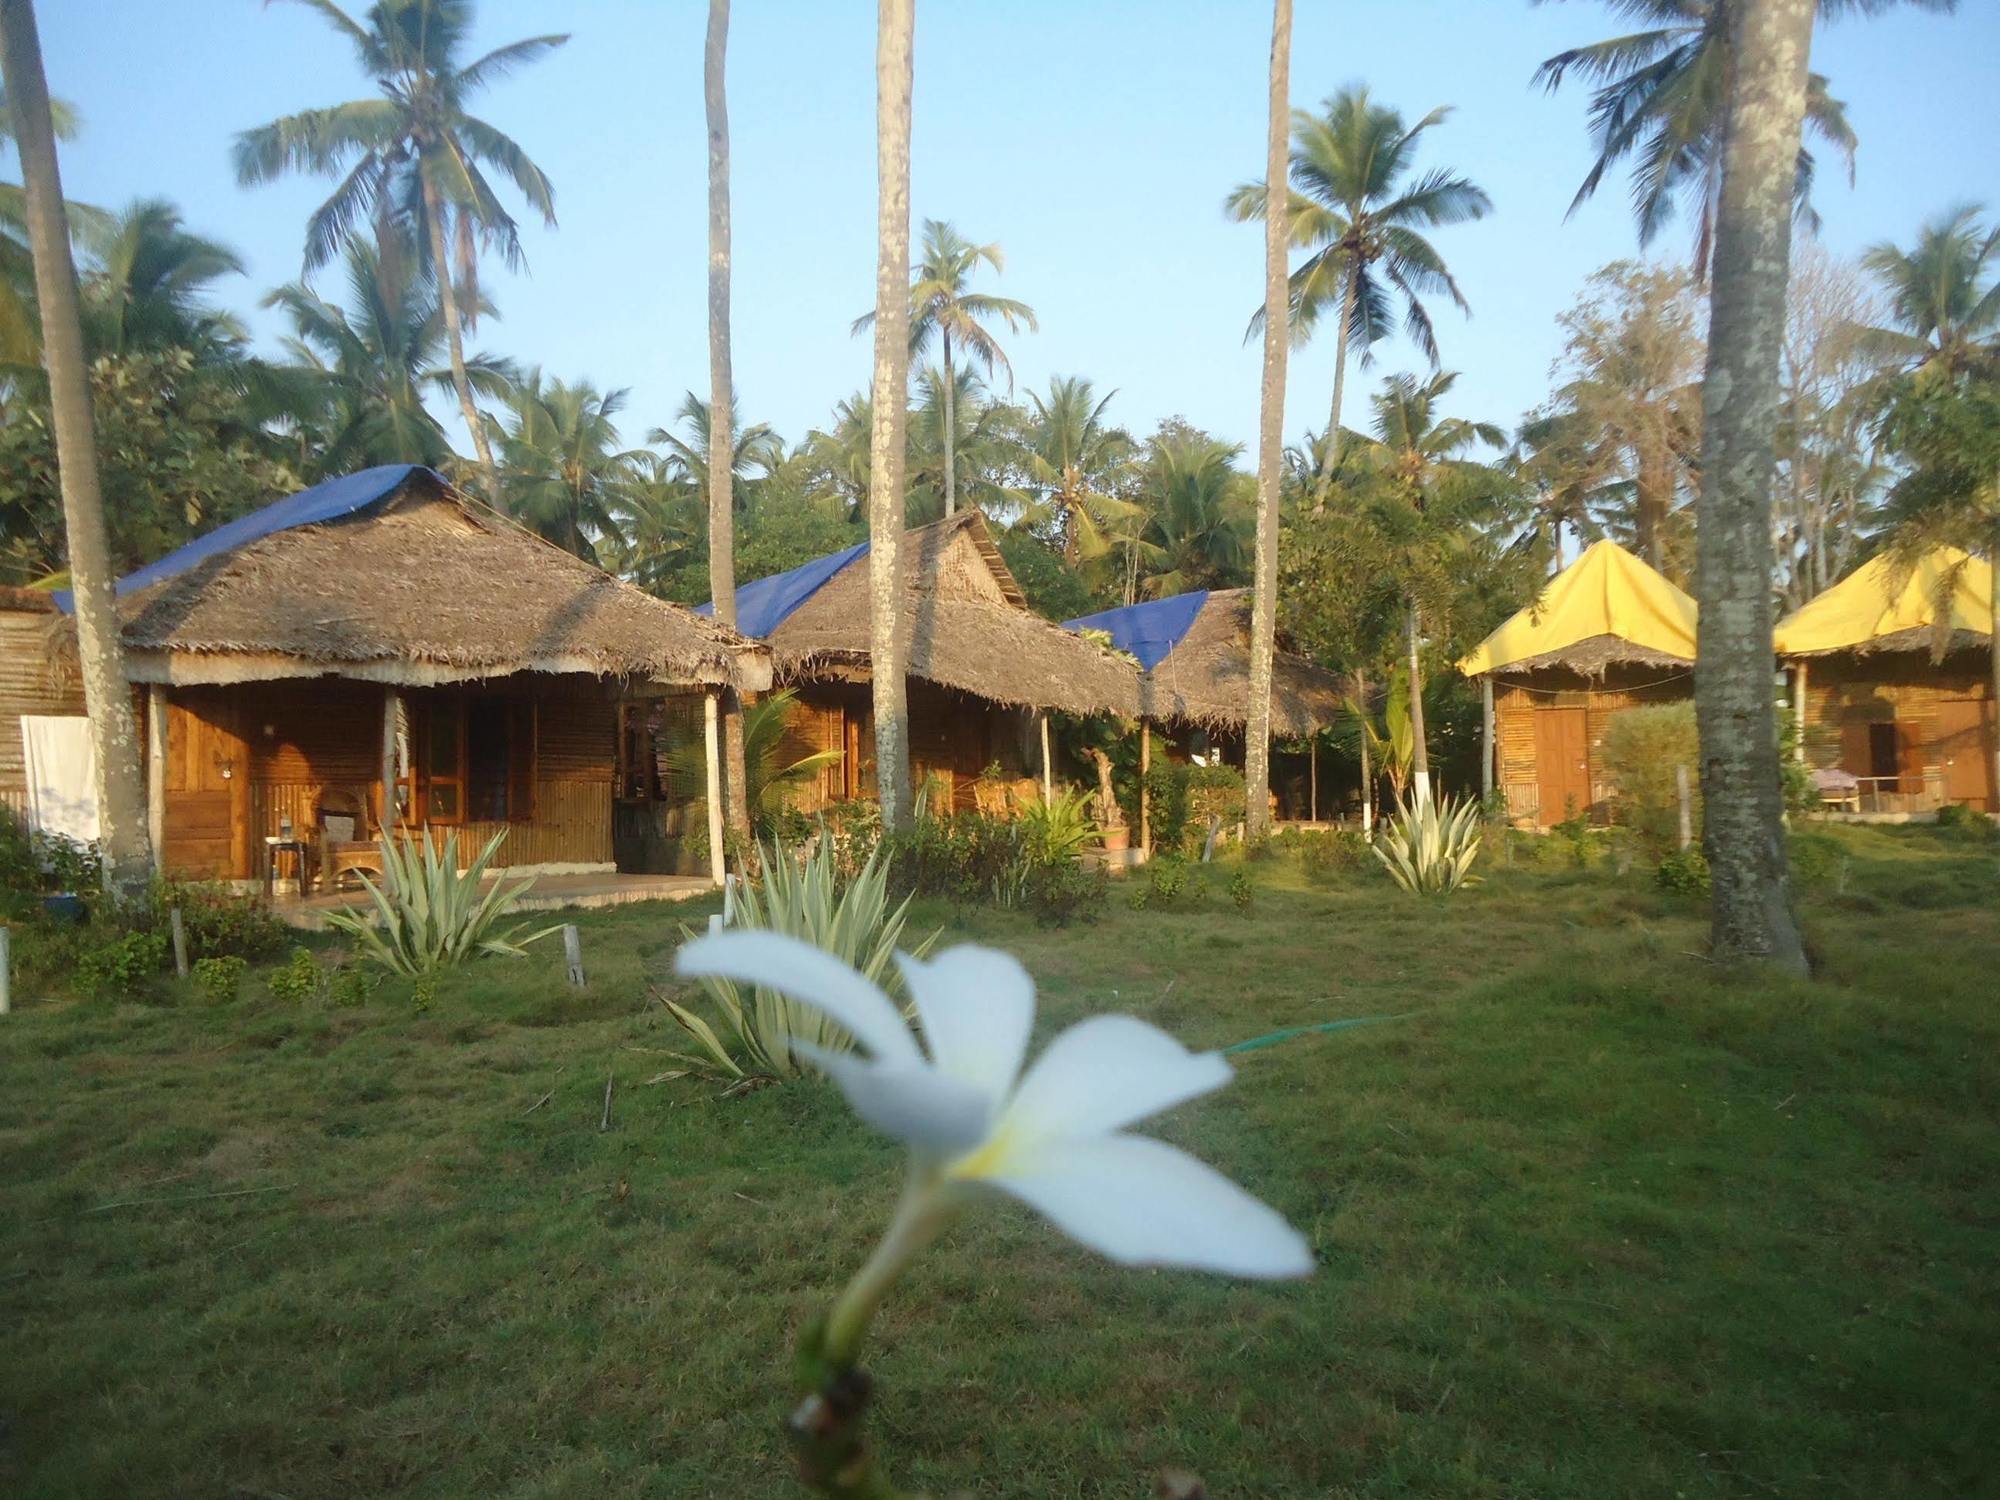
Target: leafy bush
(803, 898)
(1956, 820)
(430, 916)
(216, 979)
(1166, 881)
(219, 923)
(1323, 855)
(35, 864)
(1167, 786)
(1684, 872)
(1213, 792)
(1242, 890)
(971, 858)
(1429, 848)
(1642, 747)
(298, 979)
(120, 965)
(1059, 894)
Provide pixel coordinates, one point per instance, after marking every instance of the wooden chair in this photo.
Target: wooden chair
(343, 814)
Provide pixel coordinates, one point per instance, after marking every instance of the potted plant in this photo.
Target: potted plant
(1110, 816)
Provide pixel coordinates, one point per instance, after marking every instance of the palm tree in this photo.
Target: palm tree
(1202, 512)
(1075, 464)
(722, 396)
(1270, 435)
(943, 307)
(365, 368)
(1662, 99)
(414, 158)
(1351, 204)
(565, 471)
(1566, 474)
(148, 289)
(20, 340)
(660, 521)
(1943, 293)
(694, 449)
(982, 438)
(1743, 832)
(895, 22)
(1423, 507)
(768, 777)
(840, 452)
(121, 793)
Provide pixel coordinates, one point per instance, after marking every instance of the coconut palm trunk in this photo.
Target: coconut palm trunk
(1270, 434)
(107, 697)
(950, 430)
(722, 406)
(1993, 662)
(455, 338)
(1331, 457)
(1420, 750)
(895, 25)
(1743, 806)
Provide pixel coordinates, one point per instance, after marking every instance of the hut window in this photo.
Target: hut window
(444, 762)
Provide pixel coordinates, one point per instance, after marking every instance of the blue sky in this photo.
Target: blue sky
(1093, 141)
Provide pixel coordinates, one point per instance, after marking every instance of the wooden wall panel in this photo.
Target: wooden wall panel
(1845, 694)
(1516, 700)
(34, 679)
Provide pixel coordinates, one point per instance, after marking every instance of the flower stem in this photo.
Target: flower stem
(920, 1217)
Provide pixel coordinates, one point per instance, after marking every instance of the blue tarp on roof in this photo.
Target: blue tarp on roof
(1148, 631)
(763, 606)
(327, 501)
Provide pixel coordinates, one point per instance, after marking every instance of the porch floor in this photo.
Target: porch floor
(550, 893)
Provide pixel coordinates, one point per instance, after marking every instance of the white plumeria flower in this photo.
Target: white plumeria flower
(1052, 1137)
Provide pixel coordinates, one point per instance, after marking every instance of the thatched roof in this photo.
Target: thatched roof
(1595, 655)
(419, 587)
(1205, 678)
(963, 623)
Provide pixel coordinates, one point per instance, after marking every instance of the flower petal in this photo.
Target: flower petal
(1144, 1203)
(809, 975)
(977, 1006)
(914, 1103)
(1104, 1074)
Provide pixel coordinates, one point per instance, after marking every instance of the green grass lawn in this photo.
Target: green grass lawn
(1599, 1219)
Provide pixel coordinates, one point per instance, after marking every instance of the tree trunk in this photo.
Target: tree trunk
(121, 787)
(1420, 750)
(895, 23)
(950, 432)
(1330, 458)
(455, 338)
(1993, 665)
(1270, 434)
(1650, 504)
(1743, 832)
(722, 404)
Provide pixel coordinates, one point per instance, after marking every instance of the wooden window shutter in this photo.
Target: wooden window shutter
(521, 718)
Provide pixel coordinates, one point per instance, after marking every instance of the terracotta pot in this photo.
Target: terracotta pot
(1117, 839)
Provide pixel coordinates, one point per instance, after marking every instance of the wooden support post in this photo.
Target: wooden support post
(573, 954)
(180, 933)
(391, 711)
(6, 969)
(156, 774)
(1486, 742)
(1145, 790)
(1799, 708)
(1048, 774)
(712, 739)
(1312, 794)
(1687, 806)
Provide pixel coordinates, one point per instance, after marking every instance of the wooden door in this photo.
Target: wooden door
(1964, 752)
(1562, 762)
(207, 788)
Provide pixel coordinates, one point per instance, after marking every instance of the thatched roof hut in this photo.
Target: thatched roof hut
(1606, 609)
(1195, 649)
(392, 576)
(963, 624)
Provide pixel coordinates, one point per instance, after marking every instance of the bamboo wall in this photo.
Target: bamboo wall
(1518, 698)
(1847, 693)
(952, 735)
(34, 679)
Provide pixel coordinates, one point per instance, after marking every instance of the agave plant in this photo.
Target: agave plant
(801, 895)
(1428, 848)
(1060, 826)
(429, 915)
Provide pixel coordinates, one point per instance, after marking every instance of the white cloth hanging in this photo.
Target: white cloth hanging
(61, 765)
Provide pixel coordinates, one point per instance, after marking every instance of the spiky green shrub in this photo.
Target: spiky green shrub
(429, 915)
(1428, 847)
(1060, 826)
(759, 1030)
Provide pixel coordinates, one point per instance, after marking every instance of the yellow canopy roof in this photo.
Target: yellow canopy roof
(1866, 606)
(1607, 591)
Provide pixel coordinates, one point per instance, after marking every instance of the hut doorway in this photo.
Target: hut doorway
(1562, 763)
(1965, 746)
